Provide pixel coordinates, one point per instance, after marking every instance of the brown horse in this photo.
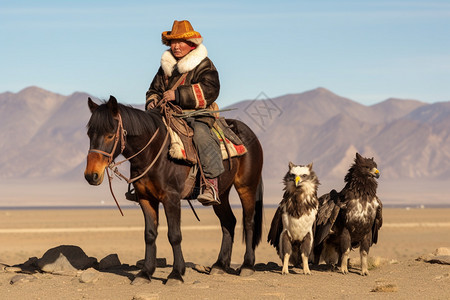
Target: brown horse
(164, 182)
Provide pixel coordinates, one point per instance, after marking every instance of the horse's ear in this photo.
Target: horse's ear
(113, 106)
(310, 166)
(92, 105)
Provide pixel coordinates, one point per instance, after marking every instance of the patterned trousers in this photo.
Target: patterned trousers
(208, 148)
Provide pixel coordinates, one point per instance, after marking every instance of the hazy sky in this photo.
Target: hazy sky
(367, 51)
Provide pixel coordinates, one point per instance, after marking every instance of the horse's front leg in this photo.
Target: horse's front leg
(172, 208)
(228, 224)
(150, 211)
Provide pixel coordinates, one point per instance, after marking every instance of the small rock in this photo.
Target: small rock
(13, 269)
(89, 276)
(21, 278)
(441, 251)
(59, 266)
(109, 261)
(146, 297)
(65, 259)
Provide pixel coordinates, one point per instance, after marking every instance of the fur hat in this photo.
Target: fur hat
(181, 30)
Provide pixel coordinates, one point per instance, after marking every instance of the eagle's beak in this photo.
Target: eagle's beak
(297, 180)
(377, 173)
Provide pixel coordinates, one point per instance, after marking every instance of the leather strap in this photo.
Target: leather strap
(179, 82)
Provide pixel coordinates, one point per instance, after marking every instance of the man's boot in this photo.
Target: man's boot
(210, 195)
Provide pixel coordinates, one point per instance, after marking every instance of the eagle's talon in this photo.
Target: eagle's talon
(291, 230)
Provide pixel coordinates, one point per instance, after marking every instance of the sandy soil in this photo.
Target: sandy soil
(406, 235)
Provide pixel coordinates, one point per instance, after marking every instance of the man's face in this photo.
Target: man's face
(179, 48)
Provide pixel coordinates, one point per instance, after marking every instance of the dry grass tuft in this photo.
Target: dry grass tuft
(383, 287)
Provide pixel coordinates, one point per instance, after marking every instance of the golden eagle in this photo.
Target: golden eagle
(350, 218)
(291, 231)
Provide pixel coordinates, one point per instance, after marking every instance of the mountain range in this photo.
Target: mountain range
(409, 139)
(43, 135)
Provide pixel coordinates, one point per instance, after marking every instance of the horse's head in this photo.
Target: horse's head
(105, 133)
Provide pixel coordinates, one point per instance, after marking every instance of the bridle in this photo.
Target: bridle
(120, 136)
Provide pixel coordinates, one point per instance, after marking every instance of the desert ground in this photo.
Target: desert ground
(395, 273)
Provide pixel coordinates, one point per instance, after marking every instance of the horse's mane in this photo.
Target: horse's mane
(135, 121)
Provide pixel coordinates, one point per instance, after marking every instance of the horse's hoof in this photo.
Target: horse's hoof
(246, 272)
(174, 278)
(141, 278)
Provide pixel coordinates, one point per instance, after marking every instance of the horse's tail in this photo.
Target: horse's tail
(258, 217)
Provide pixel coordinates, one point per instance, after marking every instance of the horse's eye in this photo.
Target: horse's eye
(110, 136)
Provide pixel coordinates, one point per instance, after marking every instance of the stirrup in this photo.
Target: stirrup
(206, 201)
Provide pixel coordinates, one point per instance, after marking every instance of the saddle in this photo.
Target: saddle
(181, 134)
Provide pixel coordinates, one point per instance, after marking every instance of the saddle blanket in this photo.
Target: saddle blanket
(177, 148)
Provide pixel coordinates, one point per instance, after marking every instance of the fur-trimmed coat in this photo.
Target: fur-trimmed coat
(200, 87)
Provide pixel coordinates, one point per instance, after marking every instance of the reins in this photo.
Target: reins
(113, 165)
(120, 135)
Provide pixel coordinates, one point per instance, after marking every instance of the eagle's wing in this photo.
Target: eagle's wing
(378, 222)
(276, 228)
(329, 207)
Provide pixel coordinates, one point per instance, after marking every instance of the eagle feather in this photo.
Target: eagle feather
(350, 218)
(291, 230)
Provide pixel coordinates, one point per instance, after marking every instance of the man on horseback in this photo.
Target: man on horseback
(189, 79)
